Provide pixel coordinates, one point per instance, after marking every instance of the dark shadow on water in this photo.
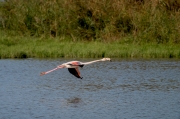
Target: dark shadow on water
(74, 100)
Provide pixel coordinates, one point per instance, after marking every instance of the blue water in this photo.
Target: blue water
(122, 89)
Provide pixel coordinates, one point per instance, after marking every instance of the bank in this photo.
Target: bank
(23, 47)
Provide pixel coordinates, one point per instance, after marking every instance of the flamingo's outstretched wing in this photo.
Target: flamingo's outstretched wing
(75, 72)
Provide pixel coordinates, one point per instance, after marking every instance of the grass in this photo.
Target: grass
(144, 20)
(94, 28)
(54, 48)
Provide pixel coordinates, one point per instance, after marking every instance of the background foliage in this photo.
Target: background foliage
(136, 21)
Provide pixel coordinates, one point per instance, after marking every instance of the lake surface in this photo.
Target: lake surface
(122, 89)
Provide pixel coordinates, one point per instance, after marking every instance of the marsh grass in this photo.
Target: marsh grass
(90, 28)
(49, 48)
(144, 20)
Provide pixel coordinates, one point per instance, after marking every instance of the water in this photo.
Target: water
(122, 89)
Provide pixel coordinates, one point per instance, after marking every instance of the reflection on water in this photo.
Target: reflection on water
(74, 100)
(124, 88)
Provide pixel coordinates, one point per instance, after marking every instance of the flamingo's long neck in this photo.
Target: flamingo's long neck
(85, 63)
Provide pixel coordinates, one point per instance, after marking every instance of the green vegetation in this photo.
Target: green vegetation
(144, 20)
(55, 48)
(90, 28)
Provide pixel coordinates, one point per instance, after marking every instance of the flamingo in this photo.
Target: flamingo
(73, 67)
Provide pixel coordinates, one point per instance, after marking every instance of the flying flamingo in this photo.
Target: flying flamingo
(73, 67)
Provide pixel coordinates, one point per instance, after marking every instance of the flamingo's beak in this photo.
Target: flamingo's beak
(42, 73)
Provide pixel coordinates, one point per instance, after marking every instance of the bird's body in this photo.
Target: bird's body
(73, 66)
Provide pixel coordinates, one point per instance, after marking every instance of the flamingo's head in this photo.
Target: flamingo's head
(106, 59)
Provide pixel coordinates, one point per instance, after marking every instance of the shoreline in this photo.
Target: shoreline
(36, 48)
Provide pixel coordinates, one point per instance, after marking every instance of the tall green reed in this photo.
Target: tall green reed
(103, 20)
